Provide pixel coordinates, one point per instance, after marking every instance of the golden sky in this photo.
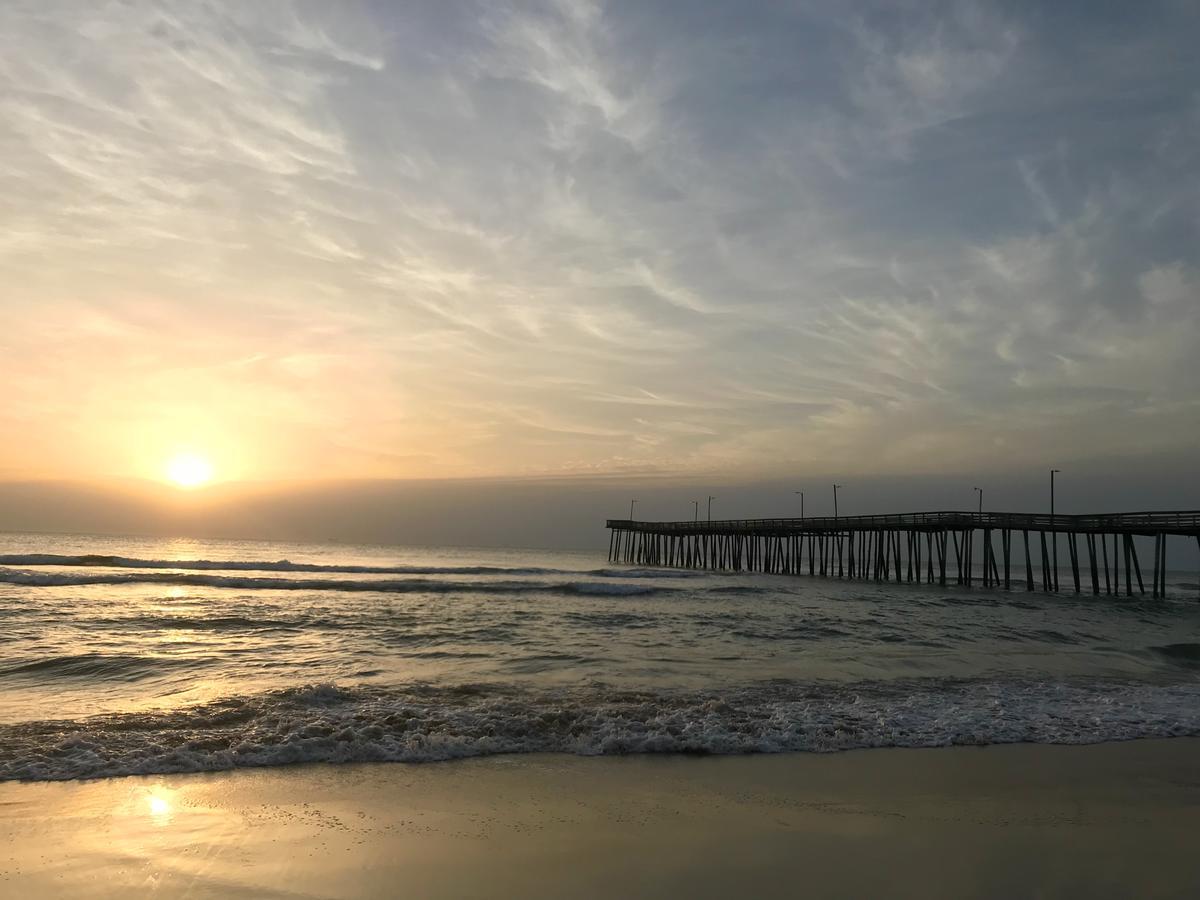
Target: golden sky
(308, 242)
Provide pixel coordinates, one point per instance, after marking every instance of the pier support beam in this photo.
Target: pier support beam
(873, 547)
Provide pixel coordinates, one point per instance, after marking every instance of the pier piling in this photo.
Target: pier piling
(875, 547)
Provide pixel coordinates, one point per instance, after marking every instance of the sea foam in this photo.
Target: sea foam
(283, 565)
(334, 724)
(34, 578)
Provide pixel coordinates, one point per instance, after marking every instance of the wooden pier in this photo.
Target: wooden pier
(962, 548)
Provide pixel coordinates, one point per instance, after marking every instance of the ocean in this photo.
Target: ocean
(124, 656)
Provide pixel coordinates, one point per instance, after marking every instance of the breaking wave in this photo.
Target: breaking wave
(1186, 654)
(330, 724)
(55, 560)
(282, 565)
(29, 578)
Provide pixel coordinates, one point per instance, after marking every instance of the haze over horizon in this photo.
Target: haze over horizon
(566, 513)
(540, 255)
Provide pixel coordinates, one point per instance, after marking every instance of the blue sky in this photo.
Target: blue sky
(488, 239)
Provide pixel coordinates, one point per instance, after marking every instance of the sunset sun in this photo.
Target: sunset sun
(187, 470)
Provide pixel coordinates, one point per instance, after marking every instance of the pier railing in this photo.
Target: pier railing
(1141, 523)
(915, 546)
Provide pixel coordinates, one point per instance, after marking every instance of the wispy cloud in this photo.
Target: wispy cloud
(574, 236)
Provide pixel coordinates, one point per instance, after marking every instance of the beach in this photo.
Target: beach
(1108, 820)
(250, 719)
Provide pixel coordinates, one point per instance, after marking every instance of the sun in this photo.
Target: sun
(188, 470)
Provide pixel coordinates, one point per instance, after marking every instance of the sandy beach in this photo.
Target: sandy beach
(1111, 820)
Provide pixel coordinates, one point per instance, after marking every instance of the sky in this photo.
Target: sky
(318, 243)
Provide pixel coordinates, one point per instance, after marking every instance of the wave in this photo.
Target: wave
(282, 565)
(219, 622)
(331, 724)
(29, 578)
(650, 573)
(92, 666)
(1184, 654)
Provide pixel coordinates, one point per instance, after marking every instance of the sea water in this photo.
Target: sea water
(131, 655)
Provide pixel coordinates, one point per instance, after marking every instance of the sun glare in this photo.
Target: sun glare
(189, 470)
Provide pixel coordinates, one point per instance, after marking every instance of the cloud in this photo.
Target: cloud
(551, 237)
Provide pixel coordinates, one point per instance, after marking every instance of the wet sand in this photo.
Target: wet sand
(1112, 820)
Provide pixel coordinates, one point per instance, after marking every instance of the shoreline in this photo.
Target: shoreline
(1111, 819)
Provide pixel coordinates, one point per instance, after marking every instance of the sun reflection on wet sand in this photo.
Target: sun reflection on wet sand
(564, 826)
(161, 804)
(160, 808)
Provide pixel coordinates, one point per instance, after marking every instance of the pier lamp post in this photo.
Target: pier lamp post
(835, 490)
(1053, 533)
(632, 503)
(710, 500)
(801, 493)
(696, 503)
(979, 491)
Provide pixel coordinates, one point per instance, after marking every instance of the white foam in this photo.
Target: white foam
(33, 578)
(327, 723)
(282, 565)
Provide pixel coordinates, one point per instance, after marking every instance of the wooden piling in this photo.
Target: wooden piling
(1095, 570)
(1006, 541)
(1028, 560)
(1104, 548)
(1046, 583)
(875, 547)
(1073, 547)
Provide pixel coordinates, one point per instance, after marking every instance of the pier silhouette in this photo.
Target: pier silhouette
(929, 547)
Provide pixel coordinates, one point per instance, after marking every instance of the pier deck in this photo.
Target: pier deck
(933, 547)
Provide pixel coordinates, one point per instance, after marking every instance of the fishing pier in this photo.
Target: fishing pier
(932, 547)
